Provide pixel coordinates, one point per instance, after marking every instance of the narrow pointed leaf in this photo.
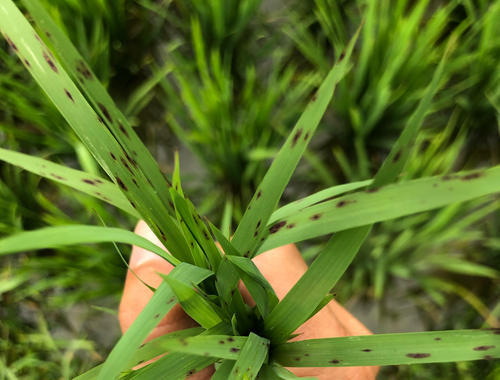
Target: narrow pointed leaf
(93, 132)
(148, 351)
(79, 180)
(301, 301)
(111, 115)
(252, 356)
(252, 226)
(319, 197)
(391, 349)
(385, 203)
(160, 304)
(194, 304)
(53, 237)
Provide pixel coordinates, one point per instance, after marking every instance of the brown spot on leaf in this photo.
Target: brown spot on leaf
(343, 203)
(112, 156)
(82, 68)
(50, 62)
(121, 184)
(397, 156)
(230, 339)
(437, 338)
(68, 94)
(221, 342)
(366, 350)
(470, 176)
(133, 204)
(418, 355)
(342, 56)
(259, 194)
(89, 181)
(297, 359)
(57, 177)
(483, 348)
(334, 361)
(290, 226)
(125, 163)
(296, 137)
(314, 97)
(105, 112)
(122, 128)
(157, 316)
(27, 63)
(306, 136)
(234, 349)
(276, 227)
(11, 43)
(315, 217)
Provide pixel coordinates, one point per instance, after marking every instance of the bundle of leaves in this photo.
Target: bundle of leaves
(205, 281)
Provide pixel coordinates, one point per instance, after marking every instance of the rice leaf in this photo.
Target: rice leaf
(194, 304)
(253, 355)
(160, 304)
(93, 132)
(259, 288)
(385, 203)
(400, 151)
(148, 351)
(197, 229)
(53, 237)
(319, 197)
(110, 114)
(301, 301)
(79, 180)
(391, 349)
(217, 346)
(275, 371)
(178, 365)
(223, 371)
(248, 235)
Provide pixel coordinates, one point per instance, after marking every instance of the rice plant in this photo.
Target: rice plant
(255, 340)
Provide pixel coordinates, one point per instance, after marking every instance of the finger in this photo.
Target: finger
(136, 295)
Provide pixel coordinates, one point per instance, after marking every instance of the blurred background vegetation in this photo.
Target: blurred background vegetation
(223, 81)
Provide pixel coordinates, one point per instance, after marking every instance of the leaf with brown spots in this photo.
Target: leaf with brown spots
(389, 349)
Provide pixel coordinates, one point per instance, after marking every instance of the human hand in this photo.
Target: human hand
(281, 266)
